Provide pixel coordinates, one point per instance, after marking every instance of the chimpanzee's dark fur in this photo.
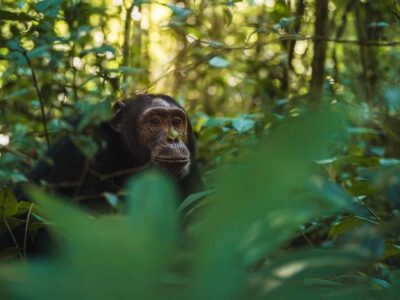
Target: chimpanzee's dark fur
(78, 177)
(86, 179)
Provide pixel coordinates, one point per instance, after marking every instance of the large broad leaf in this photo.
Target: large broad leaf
(309, 274)
(260, 204)
(115, 257)
(194, 198)
(8, 203)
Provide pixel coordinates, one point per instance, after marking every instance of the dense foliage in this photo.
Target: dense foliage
(296, 106)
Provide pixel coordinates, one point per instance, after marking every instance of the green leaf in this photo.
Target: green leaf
(345, 224)
(243, 125)
(252, 201)
(333, 193)
(127, 70)
(41, 51)
(98, 50)
(56, 125)
(148, 196)
(179, 12)
(391, 250)
(194, 198)
(93, 113)
(8, 203)
(47, 5)
(18, 93)
(231, 2)
(113, 200)
(218, 62)
(121, 257)
(379, 25)
(283, 23)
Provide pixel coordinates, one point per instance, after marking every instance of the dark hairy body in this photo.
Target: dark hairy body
(148, 131)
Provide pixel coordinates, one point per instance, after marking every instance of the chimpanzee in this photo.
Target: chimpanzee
(147, 131)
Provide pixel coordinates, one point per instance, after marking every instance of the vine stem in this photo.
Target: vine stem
(26, 229)
(41, 100)
(14, 239)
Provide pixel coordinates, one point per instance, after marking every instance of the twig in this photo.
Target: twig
(88, 197)
(83, 83)
(13, 238)
(27, 227)
(39, 94)
(82, 177)
(396, 9)
(23, 157)
(307, 239)
(223, 49)
(370, 210)
(100, 176)
(108, 176)
(127, 36)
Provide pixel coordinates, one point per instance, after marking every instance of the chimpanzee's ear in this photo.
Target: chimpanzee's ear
(116, 120)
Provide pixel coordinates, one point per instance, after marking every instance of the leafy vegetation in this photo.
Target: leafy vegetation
(296, 108)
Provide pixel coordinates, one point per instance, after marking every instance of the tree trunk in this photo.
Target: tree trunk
(367, 54)
(339, 34)
(320, 45)
(300, 8)
(137, 41)
(127, 37)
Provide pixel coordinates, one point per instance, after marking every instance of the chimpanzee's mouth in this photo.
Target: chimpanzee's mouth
(172, 160)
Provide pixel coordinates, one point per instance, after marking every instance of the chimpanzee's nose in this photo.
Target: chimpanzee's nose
(172, 136)
(172, 140)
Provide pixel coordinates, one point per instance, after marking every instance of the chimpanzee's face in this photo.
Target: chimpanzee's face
(163, 130)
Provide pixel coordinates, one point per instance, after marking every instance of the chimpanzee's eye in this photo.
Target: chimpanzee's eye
(176, 122)
(155, 121)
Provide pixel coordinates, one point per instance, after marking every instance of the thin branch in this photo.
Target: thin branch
(25, 159)
(82, 177)
(100, 176)
(83, 83)
(26, 228)
(13, 238)
(39, 94)
(358, 42)
(396, 9)
(225, 49)
(127, 36)
(95, 196)
(112, 175)
(369, 209)
(300, 9)
(307, 239)
(88, 197)
(321, 28)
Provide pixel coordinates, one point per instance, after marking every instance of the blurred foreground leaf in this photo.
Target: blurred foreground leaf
(264, 197)
(107, 258)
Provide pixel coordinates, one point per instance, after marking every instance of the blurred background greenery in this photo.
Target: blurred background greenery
(306, 200)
